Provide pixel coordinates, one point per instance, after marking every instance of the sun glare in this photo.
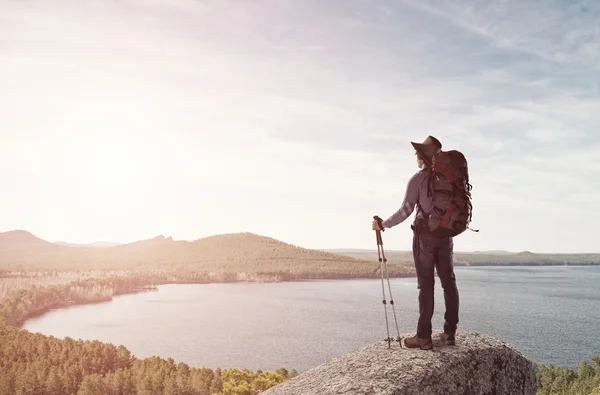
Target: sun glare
(110, 160)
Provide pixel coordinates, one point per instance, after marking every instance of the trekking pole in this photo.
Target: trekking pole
(382, 265)
(379, 242)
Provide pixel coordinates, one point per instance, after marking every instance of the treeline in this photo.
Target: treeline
(565, 381)
(35, 300)
(405, 258)
(25, 303)
(38, 364)
(11, 281)
(527, 258)
(35, 364)
(279, 269)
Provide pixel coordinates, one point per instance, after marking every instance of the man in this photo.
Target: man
(428, 251)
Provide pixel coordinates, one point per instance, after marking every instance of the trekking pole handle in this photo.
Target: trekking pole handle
(378, 232)
(379, 221)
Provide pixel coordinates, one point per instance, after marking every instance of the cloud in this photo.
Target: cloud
(305, 109)
(562, 33)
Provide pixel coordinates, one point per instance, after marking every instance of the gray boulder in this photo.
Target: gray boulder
(477, 364)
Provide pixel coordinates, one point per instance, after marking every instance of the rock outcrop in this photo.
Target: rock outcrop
(477, 365)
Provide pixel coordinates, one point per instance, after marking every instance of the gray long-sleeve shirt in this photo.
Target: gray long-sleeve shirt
(416, 192)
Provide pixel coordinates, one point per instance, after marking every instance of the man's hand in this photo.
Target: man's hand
(376, 225)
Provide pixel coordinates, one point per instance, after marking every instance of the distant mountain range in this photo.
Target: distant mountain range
(481, 258)
(106, 244)
(21, 250)
(22, 236)
(96, 244)
(371, 251)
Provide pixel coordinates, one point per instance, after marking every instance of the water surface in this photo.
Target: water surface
(551, 314)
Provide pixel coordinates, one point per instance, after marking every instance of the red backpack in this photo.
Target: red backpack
(448, 185)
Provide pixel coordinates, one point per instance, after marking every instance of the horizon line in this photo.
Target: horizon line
(328, 249)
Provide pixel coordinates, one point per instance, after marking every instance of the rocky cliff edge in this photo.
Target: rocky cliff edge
(477, 364)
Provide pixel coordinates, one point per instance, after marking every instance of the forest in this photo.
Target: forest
(585, 380)
(35, 364)
(524, 258)
(38, 364)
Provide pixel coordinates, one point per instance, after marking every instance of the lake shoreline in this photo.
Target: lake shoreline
(140, 286)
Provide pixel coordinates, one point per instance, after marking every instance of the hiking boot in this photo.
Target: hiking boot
(417, 342)
(448, 338)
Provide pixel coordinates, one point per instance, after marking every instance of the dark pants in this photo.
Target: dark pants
(430, 252)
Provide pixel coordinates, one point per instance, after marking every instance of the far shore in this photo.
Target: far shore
(132, 284)
(154, 287)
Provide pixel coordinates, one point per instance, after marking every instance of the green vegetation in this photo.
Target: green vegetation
(405, 258)
(564, 381)
(38, 364)
(231, 257)
(41, 365)
(527, 259)
(28, 302)
(12, 281)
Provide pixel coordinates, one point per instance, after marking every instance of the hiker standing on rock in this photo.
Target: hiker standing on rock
(441, 193)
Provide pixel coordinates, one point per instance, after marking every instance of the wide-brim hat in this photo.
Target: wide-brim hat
(428, 148)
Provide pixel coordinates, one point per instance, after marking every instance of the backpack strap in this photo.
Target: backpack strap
(429, 181)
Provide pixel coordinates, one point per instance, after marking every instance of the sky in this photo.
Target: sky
(124, 120)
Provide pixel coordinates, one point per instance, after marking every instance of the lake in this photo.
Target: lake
(551, 314)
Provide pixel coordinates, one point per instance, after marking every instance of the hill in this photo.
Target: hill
(21, 238)
(96, 244)
(227, 253)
